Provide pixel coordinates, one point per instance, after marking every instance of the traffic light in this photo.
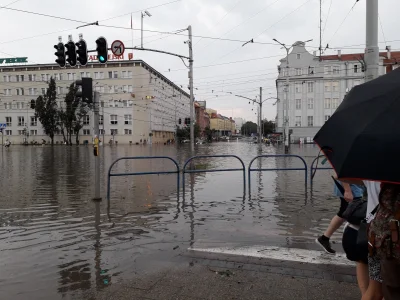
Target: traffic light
(60, 53)
(102, 49)
(33, 104)
(82, 55)
(86, 89)
(187, 121)
(180, 121)
(71, 53)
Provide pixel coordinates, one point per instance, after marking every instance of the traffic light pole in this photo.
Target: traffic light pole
(191, 90)
(96, 102)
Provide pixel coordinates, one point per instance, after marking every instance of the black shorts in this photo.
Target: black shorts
(353, 251)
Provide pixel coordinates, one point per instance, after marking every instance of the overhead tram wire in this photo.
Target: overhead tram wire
(383, 33)
(327, 17)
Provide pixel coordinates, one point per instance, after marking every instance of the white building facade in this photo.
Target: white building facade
(137, 103)
(238, 124)
(317, 85)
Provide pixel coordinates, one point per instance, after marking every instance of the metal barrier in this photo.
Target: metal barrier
(278, 169)
(140, 173)
(312, 168)
(217, 170)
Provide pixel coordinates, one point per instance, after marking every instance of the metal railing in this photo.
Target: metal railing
(243, 169)
(312, 168)
(140, 173)
(278, 169)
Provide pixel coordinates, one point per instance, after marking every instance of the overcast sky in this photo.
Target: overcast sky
(220, 66)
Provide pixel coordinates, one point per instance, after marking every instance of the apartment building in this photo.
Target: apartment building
(137, 103)
(317, 86)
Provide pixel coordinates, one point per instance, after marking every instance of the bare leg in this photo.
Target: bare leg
(335, 224)
(374, 291)
(362, 277)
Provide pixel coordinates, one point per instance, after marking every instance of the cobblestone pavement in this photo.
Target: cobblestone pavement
(215, 276)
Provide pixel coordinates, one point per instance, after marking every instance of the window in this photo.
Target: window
(356, 69)
(8, 121)
(327, 86)
(298, 104)
(310, 103)
(96, 75)
(86, 131)
(110, 74)
(298, 71)
(310, 87)
(34, 132)
(129, 74)
(114, 120)
(22, 78)
(56, 76)
(298, 121)
(6, 78)
(21, 121)
(298, 56)
(125, 88)
(125, 103)
(311, 70)
(111, 103)
(128, 131)
(327, 70)
(101, 120)
(82, 74)
(33, 121)
(128, 119)
(114, 131)
(123, 74)
(8, 132)
(43, 77)
(298, 88)
(17, 76)
(327, 117)
(30, 77)
(21, 132)
(86, 120)
(69, 76)
(61, 76)
(335, 86)
(60, 90)
(130, 88)
(44, 91)
(336, 69)
(327, 103)
(101, 103)
(335, 102)
(20, 105)
(7, 92)
(115, 74)
(310, 121)
(101, 131)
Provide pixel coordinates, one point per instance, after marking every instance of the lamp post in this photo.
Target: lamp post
(286, 102)
(143, 14)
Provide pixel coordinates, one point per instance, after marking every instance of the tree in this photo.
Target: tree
(68, 116)
(46, 110)
(268, 127)
(208, 133)
(81, 111)
(249, 127)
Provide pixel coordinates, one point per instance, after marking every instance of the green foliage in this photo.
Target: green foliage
(248, 128)
(184, 133)
(268, 127)
(46, 110)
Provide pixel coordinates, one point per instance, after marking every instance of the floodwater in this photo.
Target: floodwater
(55, 242)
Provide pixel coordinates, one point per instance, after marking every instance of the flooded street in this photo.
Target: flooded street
(55, 242)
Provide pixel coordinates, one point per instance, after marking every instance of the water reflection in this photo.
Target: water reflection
(50, 229)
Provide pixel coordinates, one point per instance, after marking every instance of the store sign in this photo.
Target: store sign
(14, 60)
(112, 57)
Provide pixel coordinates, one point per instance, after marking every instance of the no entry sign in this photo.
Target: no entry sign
(117, 48)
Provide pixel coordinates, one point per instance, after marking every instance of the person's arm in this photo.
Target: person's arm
(348, 194)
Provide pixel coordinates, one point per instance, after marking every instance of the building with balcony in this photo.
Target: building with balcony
(317, 86)
(137, 103)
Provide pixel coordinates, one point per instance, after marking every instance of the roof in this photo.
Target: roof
(395, 55)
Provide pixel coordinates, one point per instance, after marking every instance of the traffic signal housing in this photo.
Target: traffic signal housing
(102, 50)
(60, 53)
(71, 53)
(85, 89)
(82, 54)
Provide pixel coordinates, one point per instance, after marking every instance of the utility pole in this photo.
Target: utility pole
(286, 104)
(372, 48)
(191, 90)
(260, 117)
(96, 102)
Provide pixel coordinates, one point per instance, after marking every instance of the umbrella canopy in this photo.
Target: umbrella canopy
(362, 138)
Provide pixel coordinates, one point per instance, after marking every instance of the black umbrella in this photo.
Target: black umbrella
(362, 138)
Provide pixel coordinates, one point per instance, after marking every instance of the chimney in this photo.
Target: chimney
(339, 54)
(389, 55)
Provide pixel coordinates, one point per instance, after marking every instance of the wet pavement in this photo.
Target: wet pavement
(55, 242)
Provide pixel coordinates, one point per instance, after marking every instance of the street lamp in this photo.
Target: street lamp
(143, 14)
(286, 103)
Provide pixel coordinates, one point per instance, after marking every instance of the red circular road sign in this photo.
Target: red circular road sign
(117, 48)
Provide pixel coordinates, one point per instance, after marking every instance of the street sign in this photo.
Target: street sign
(117, 48)
(3, 125)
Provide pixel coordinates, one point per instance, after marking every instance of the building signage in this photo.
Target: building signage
(112, 57)
(13, 60)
